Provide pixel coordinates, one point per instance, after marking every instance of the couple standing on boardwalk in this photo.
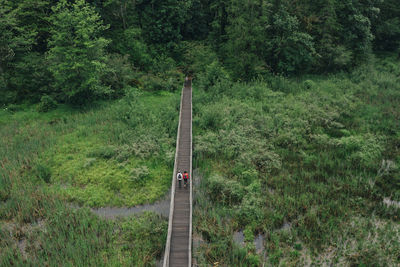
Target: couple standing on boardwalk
(185, 178)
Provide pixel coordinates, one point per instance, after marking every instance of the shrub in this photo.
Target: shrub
(247, 176)
(124, 153)
(211, 118)
(6, 96)
(267, 161)
(225, 190)
(214, 74)
(249, 210)
(308, 84)
(119, 74)
(363, 150)
(168, 81)
(47, 103)
(139, 175)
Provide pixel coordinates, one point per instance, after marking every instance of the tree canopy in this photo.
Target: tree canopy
(64, 49)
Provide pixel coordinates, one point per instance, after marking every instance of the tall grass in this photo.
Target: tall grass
(311, 152)
(90, 156)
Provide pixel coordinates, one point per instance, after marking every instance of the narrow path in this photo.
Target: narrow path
(179, 241)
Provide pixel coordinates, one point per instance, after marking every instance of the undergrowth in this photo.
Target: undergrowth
(116, 153)
(316, 154)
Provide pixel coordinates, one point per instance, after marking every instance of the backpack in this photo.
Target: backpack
(179, 176)
(186, 176)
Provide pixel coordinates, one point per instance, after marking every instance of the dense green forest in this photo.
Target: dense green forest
(79, 51)
(296, 129)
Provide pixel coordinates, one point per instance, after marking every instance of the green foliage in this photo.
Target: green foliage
(47, 103)
(161, 22)
(81, 238)
(387, 26)
(214, 73)
(139, 175)
(44, 159)
(76, 56)
(15, 41)
(289, 50)
(130, 43)
(225, 191)
(300, 160)
(119, 74)
(309, 84)
(143, 238)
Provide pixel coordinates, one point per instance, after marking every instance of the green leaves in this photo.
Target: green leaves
(77, 56)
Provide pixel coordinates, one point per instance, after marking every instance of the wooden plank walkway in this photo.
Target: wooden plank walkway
(179, 239)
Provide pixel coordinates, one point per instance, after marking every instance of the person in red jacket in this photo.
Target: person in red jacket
(185, 178)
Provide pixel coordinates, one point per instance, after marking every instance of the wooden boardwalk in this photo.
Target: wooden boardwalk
(179, 239)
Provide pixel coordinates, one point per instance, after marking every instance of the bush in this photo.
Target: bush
(225, 190)
(249, 210)
(119, 74)
(308, 84)
(46, 104)
(214, 74)
(139, 175)
(169, 81)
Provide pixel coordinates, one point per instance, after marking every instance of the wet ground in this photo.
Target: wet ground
(238, 238)
(161, 207)
(388, 202)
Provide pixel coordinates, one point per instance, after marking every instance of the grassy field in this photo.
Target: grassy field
(306, 162)
(116, 153)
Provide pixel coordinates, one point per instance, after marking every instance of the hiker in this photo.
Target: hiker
(185, 178)
(179, 177)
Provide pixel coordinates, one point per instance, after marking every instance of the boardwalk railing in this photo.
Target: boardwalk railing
(191, 180)
(178, 248)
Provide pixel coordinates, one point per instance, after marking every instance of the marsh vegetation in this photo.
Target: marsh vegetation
(296, 129)
(317, 154)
